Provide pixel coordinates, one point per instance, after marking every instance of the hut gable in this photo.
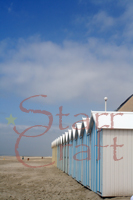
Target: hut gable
(85, 125)
(111, 120)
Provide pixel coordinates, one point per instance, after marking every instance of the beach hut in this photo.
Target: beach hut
(87, 176)
(52, 145)
(78, 152)
(67, 152)
(84, 152)
(58, 152)
(54, 152)
(56, 143)
(111, 138)
(70, 151)
(75, 135)
(61, 153)
(64, 152)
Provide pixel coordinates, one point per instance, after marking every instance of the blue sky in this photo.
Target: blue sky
(75, 52)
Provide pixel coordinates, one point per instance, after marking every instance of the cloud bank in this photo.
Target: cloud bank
(68, 71)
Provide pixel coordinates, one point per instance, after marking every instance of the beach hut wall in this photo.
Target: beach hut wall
(74, 132)
(58, 152)
(64, 152)
(54, 153)
(111, 153)
(88, 167)
(70, 151)
(85, 152)
(76, 155)
(67, 152)
(61, 153)
(78, 152)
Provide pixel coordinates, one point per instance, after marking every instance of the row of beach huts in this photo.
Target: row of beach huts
(98, 153)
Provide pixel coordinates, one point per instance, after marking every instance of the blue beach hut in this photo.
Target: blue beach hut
(70, 151)
(111, 138)
(61, 153)
(75, 134)
(85, 152)
(58, 152)
(67, 152)
(78, 152)
(64, 152)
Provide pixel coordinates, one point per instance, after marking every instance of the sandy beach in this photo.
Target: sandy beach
(25, 183)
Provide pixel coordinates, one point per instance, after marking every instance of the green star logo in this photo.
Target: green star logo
(11, 119)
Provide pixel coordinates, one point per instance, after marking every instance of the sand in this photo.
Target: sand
(20, 182)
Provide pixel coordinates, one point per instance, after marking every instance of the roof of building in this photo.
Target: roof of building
(111, 120)
(70, 134)
(85, 121)
(124, 102)
(79, 126)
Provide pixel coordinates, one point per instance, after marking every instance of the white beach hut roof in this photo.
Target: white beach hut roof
(64, 138)
(74, 132)
(70, 134)
(79, 128)
(58, 141)
(67, 136)
(61, 140)
(51, 144)
(111, 120)
(85, 122)
(54, 143)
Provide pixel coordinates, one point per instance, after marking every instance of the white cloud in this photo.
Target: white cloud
(69, 71)
(108, 25)
(101, 21)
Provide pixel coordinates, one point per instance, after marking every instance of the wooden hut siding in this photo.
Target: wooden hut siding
(55, 156)
(78, 157)
(58, 156)
(67, 151)
(99, 163)
(110, 177)
(54, 152)
(76, 151)
(84, 157)
(118, 175)
(74, 161)
(70, 158)
(66, 156)
(61, 157)
(89, 163)
(93, 159)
